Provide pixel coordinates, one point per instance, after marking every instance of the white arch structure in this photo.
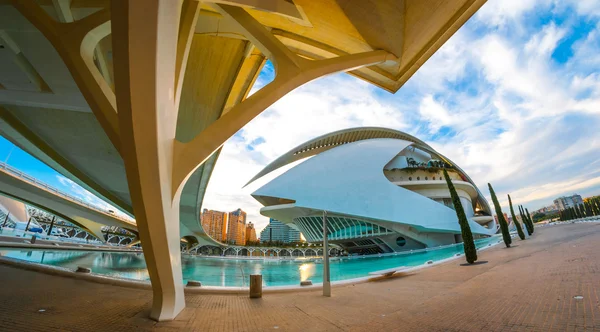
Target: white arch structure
(134, 100)
(237, 250)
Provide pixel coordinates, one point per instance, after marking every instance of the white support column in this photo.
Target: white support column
(145, 48)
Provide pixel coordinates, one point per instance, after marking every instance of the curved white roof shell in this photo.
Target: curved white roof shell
(332, 140)
(345, 136)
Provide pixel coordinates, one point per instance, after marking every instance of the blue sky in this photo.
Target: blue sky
(513, 98)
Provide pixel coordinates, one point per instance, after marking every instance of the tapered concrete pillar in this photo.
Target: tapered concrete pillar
(145, 36)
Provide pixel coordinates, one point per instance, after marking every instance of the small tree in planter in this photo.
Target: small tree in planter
(514, 217)
(501, 220)
(465, 229)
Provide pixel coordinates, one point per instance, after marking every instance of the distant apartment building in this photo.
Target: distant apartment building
(250, 233)
(236, 227)
(565, 202)
(215, 224)
(546, 209)
(278, 231)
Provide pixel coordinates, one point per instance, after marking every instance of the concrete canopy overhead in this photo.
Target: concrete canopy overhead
(133, 99)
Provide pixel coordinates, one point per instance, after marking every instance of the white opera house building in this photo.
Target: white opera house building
(383, 191)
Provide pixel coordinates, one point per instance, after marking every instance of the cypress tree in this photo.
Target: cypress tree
(514, 217)
(530, 220)
(588, 209)
(465, 229)
(581, 210)
(501, 220)
(595, 206)
(525, 220)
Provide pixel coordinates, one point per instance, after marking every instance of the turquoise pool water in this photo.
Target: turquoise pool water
(232, 272)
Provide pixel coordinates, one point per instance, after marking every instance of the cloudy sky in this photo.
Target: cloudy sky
(513, 98)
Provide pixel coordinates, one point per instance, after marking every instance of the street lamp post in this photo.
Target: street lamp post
(28, 222)
(326, 277)
(5, 220)
(51, 225)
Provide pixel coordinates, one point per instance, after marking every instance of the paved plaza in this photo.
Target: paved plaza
(530, 287)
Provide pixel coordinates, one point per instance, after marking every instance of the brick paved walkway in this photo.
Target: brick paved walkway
(528, 287)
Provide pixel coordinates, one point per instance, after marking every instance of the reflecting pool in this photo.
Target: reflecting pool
(233, 272)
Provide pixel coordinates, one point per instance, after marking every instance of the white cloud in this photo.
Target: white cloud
(500, 13)
(587, 7)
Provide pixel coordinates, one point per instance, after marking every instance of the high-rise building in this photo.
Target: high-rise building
(565, 202)
(278, 231)
(236, 227)
(215, 224)
(250, 233)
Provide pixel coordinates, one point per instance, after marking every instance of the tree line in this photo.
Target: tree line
(589, 208)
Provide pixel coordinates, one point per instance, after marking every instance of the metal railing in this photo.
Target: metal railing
(30, 179)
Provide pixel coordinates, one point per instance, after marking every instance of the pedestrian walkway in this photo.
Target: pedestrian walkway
(533, 286)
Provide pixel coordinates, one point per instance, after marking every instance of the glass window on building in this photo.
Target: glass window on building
(448, 202)
(400, 241)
